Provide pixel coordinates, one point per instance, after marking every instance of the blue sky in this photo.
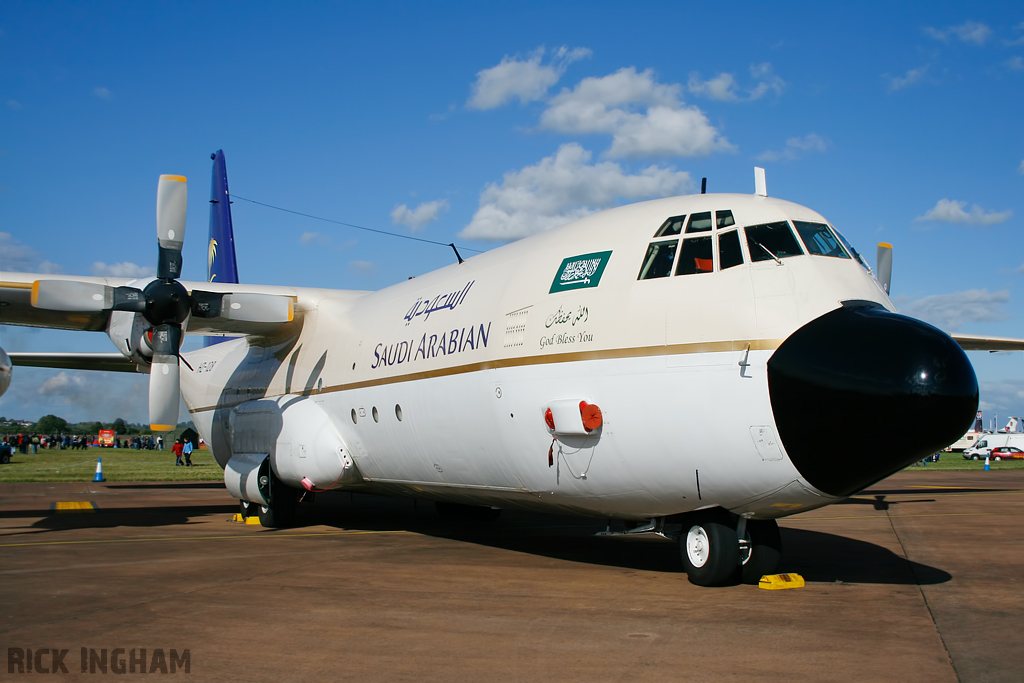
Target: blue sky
(481, 122)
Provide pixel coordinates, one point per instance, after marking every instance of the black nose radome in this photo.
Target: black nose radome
(861, 393)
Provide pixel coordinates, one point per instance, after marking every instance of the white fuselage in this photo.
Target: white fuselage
(437, 386)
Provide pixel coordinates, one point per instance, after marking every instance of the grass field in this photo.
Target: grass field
(119, 464)
(124, 464)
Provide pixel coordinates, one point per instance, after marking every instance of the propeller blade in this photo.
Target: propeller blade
(69, 295)
(244, 306)
(883, 265)
(171, 205)
(127, 299)
(164, 378)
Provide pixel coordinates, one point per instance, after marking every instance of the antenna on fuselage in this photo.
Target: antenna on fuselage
(760, 187)
(703, 185)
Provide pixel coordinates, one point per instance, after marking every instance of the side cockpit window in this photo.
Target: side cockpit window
(729, 252)
(696, 256)
(771, 241)
(672, 226)
(658, 261)
(699, 222)
(818, 239)
(707, 238)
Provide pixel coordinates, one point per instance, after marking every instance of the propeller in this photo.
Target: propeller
(164, 303)
(883, 265)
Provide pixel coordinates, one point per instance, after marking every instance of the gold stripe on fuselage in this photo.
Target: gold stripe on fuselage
(603, 354)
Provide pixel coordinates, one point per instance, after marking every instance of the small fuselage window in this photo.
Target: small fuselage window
(659, 259)
(771, 241)
(696, 256)
(818, 239)
(672, 226)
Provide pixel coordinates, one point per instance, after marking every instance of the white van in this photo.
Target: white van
(986, 442)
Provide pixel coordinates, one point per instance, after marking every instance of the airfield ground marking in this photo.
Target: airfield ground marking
(200, 538)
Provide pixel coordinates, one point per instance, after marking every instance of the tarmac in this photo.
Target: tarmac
(916, 579)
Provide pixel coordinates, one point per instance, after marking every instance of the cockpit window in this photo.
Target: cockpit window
(849, 248)
(771, 241)
(673, 226)
(724, 219)
(658, 262)
(699, 222)
(729, 252)
(819, 239)
(696, 256)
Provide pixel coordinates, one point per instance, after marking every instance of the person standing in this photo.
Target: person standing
(186, 452)
(160, 443)
(177, 449)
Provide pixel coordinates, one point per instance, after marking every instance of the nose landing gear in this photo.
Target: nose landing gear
(720, 549)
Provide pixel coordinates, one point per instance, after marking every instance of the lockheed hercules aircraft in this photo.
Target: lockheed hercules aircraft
(696, 367)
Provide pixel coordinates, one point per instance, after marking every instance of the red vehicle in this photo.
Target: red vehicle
(1007, 453)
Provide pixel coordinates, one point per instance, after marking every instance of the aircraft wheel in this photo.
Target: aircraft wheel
(764, 552)
(246, 509)
(710, 550)
(281, 511)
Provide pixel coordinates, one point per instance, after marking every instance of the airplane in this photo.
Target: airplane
(694, 368)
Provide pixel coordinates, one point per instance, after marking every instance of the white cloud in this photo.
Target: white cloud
(101, 93)
(1015, 63)
(796, 147)
(1021, 269)
(911, 77)
(362, 267)
(724, 87)
(952, 211)
(968, 32)
(1020, 169)
(18, 257)
(644, 117)
(1002, 397)
(562, 188)
(13, 104)
(950, 311)
(528, 80)
(316, 238)
(417, 219)
(122, 269)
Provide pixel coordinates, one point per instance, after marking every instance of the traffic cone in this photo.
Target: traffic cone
(99, 470)
(987, 466)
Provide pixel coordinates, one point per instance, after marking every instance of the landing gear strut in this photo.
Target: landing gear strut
(719, 549)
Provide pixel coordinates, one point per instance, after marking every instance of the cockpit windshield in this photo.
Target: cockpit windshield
(819, 239)
(849, 248)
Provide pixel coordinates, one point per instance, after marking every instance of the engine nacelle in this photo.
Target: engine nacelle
(304, 447)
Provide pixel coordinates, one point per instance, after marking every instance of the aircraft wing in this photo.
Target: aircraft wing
(975, 342)
(110, 362)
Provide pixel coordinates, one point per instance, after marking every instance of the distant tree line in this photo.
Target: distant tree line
(52, 424)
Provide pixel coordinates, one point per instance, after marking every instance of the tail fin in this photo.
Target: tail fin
(221, 265)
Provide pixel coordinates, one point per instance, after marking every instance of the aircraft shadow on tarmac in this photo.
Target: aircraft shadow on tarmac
(116, 517)
(171, 485)
(817, 556)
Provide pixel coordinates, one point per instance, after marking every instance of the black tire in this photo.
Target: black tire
(765, 550)
(476, 513)
(997, 458)
(281, 512)
(5, 458)
(975, 457)
(246, 509)
(710, 549)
